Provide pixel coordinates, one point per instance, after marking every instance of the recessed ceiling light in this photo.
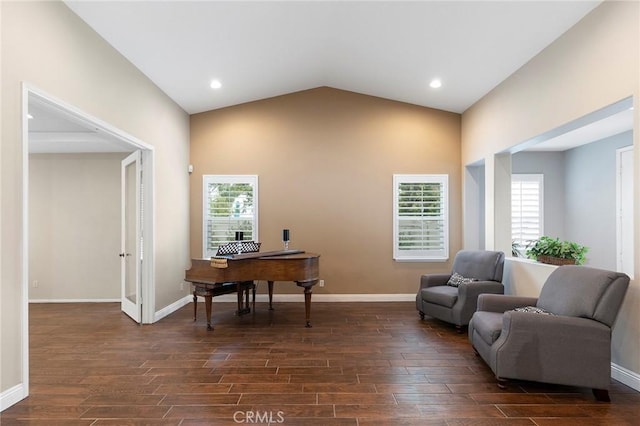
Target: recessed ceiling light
(215, 84)
(435, 83)
(30, 117)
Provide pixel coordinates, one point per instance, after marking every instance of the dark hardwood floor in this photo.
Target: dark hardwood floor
(360, 364)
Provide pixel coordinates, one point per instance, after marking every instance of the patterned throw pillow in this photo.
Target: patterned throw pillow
(457, 279)
(533, 310)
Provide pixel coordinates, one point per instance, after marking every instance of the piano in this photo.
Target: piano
(239, 270)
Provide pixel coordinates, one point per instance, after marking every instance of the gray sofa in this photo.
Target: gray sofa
(569, 346)
(456, 305)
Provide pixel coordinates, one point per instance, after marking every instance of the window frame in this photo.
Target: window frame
(441, 255)
(528, 177)
(227, 179)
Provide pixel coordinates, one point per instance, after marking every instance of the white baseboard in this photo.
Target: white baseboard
(168, 310)
(299, 297)
(12, 396)
(73, 300)
(625, 376)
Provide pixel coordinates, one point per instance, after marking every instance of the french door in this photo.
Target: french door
(131, 237)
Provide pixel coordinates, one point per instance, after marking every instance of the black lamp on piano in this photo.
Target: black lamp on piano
(285, 238)
(239, 238)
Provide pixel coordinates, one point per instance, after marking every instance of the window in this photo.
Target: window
(230, 204)
(526, 209)
(420, 217)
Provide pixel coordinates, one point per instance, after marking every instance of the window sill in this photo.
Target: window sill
(420, 259)
(530, 262)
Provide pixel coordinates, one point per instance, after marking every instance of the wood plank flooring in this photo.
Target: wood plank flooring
(361, 364)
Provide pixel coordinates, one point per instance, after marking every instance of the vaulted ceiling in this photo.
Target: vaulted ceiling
(257, 50)
(389, 49)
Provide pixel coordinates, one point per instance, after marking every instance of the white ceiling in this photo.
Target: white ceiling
(53, 130)
(389, 49)
(264, 49)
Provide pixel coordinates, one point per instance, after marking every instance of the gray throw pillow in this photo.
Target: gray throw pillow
(533, 310)
(457, 279)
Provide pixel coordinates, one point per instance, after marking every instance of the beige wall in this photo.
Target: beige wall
(325, 160)
(594, 64)
(49, 47)
(74, 226)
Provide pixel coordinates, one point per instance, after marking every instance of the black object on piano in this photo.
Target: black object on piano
(232, 248)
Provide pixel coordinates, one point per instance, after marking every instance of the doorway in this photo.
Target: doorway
(53, 127)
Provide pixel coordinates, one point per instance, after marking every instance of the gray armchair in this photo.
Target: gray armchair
(567, 341)
(456, 305)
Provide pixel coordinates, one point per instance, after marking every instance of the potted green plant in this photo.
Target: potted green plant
(556, 252)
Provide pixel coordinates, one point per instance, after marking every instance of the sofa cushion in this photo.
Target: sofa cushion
(488, 325)
(457, 279)
(442, 295)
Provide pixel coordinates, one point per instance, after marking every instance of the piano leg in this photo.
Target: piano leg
(207, 306)
(195, 306)
(307, 305)
(246, 300)
(270, 295)
(239, 292)
(253, 304)
(243, 293)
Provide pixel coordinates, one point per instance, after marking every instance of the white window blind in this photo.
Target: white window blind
(420, 217)
(526, 208)
(230, 204)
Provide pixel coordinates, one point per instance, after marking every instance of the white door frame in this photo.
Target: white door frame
(148, 216)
